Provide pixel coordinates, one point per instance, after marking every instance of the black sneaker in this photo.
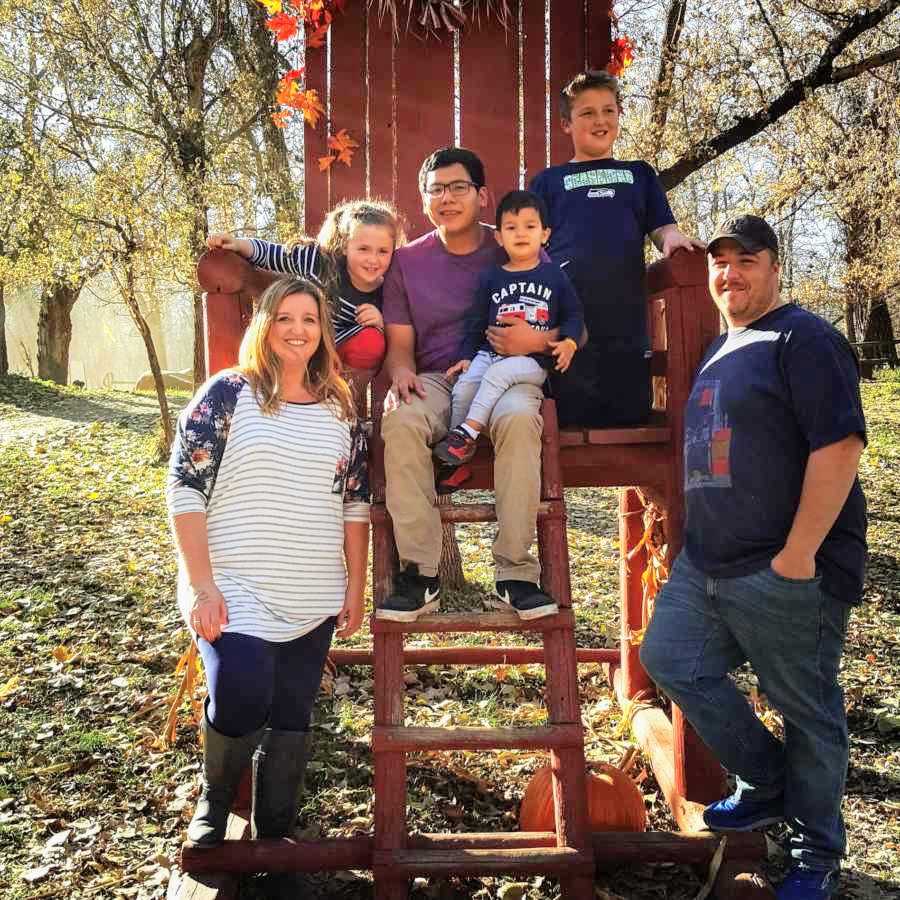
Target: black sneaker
(413, 596)
(527, 599)
(457, 448)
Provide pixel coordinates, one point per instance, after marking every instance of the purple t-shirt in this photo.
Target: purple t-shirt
(433, 290)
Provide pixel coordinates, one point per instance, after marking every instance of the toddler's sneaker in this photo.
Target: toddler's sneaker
(526, 598)
(451, 478)
(734, 814)
(414, 595)
(808, 884)
(457, 448)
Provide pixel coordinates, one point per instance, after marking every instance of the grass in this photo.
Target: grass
(91, 805)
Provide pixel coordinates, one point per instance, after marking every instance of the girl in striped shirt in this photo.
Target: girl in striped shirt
(268, 497)
(349, 258)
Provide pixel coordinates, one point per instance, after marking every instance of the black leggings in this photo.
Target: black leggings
(253, 682)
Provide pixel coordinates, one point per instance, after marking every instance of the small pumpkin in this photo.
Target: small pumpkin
(614, 801)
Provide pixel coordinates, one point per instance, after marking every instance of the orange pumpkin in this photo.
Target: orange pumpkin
(614, 801)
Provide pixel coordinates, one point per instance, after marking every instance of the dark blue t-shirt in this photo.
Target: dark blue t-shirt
(542, 296)
(600, 213)
(765, 398)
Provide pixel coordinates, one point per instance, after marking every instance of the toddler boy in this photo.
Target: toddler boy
(524, 287)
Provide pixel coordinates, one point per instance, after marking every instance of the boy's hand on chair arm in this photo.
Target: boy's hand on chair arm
(458, 368)
(563, 350)
(673, 239)
(223, 241)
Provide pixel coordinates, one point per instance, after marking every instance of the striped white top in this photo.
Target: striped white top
(275, 517)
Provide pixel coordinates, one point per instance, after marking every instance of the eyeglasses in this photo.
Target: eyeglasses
(456, 188)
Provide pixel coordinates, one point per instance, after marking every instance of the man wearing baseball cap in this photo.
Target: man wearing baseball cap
(773, 559)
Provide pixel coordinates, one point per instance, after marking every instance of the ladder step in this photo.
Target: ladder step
(394, 738)
(477, 512)
(523, 861)
(474, 621)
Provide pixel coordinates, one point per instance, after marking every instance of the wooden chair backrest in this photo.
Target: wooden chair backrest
(403, 95)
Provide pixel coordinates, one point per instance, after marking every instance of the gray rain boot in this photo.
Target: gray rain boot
(224, 761)
(278, 769)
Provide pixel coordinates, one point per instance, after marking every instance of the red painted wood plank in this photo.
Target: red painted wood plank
(534, 861)
(535, 88)
(473, 656)
(424, 85)
(393, 738)
(348, 98)
(566, 60)
(317, 198)
(223, 328)
(631, 591)
(288, 855)
(382, 127)
(489, 102)
(598, 27)
(475, 621)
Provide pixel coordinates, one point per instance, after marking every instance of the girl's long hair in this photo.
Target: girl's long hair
(262, 368)
(338, 228)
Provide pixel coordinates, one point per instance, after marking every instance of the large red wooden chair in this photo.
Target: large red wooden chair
(396, 95)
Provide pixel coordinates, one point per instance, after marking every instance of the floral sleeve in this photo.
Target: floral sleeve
(356, 482)
(200, 443)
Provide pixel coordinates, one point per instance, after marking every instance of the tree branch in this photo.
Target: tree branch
(795, 93)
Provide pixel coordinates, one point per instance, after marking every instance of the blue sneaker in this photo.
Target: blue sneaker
(734, 814)
(808, 884)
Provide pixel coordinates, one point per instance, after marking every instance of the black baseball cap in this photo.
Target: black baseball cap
(751, 232)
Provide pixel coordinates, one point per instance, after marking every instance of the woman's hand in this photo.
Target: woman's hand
(351, 615)
(369, 316)
(208, 611)
(223, 241)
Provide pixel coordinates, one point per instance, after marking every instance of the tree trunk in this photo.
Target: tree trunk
(450, 569)
(154, 319)
(4, 359)
(140, 321)
(880, 328)
(662, 89)
(55, 330)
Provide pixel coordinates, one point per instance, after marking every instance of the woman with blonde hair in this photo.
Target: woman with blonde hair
(268, 496)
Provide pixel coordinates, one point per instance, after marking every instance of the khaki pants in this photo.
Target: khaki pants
(409, 432)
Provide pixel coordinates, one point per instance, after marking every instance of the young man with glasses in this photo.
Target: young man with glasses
(427, 294)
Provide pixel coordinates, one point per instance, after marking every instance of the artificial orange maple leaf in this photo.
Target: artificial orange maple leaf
(325, 162)
(272, 6)
(316, 38)
(281, 117)
(309, 104)
(293, 75)
(344, 145)
(621, 55)
(283, 25)
(287, 92)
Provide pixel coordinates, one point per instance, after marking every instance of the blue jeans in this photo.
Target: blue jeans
(792, 633)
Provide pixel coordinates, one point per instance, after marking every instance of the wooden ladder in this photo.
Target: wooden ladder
(572, 859)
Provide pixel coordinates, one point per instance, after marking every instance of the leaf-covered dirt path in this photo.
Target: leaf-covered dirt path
(91, 803)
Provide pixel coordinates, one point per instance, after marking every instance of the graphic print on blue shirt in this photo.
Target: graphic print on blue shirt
(600, 212)
(543, 297)
(707, 439)
(766, 397)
